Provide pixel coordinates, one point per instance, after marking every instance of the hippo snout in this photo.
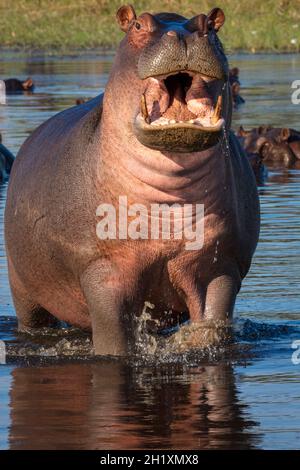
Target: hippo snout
(204, 58)
(166, 55)
(180, 50)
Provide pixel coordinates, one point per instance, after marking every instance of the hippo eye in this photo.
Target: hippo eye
(138, 25)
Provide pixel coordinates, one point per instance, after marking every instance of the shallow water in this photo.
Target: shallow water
(245, 395)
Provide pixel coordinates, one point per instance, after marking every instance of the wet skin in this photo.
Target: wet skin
(113, 146)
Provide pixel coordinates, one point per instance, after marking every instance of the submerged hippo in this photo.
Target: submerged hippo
(259, 169)
(274, 145)
(79, 101)
(6, 161)
(14, 85)
(235, 86)
(160, 134)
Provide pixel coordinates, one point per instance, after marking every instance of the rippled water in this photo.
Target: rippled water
(246, 395)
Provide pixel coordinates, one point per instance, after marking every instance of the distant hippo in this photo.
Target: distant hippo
(85, 223)
(6, 161)
(13, 85)
(291, 137)
(259, 169)
(279, 146)
(235, 86)
(79, 101)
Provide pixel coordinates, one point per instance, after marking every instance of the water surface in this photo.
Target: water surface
(246, 396)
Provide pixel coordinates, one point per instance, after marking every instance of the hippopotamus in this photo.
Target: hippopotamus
(79, 101)
(14, 85)
(6, 161)
(287, 136)
(235, 86)
(279, 146)
(89, 180)
(259, 169)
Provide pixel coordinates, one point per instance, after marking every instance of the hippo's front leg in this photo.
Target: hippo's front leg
(221, 294)
(107, 297)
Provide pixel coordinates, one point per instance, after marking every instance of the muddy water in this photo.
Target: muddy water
(246, 395)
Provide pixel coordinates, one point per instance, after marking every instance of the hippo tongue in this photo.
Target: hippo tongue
(178, 109)
(198, 100)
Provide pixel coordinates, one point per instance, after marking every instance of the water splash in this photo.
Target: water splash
(178, 341)
(44, 343)
(188, 344)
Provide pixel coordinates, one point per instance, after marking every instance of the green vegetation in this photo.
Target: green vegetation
(252, 25)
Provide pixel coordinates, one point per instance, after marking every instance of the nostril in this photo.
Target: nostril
(179, 35)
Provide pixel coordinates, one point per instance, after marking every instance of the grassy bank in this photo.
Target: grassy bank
(253, 25)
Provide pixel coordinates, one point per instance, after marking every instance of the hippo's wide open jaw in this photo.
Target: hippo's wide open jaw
(181, 112)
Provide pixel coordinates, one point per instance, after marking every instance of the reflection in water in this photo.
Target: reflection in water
(111, 406)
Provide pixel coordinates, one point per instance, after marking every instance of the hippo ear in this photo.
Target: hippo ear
(241, 132)
(27, 84)
(234, 71)
(261, 144)
(284, 134)
(261, 130)
(216, 18)
(125, 15)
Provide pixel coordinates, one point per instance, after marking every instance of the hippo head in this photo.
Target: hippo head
(270, 143)
(172, 74)
(28, 85)
(289, 138)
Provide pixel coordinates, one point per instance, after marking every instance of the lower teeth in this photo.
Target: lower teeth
(161, 122)
(203, 122)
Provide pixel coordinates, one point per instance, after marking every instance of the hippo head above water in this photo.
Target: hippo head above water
(277, 145)
(178, 74)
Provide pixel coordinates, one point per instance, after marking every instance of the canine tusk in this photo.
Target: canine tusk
(217, 112)
(144, 109)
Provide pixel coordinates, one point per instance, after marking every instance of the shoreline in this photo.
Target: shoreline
(272, 26)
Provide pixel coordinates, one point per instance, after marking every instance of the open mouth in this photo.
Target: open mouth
(181, 98)
(180, 112)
